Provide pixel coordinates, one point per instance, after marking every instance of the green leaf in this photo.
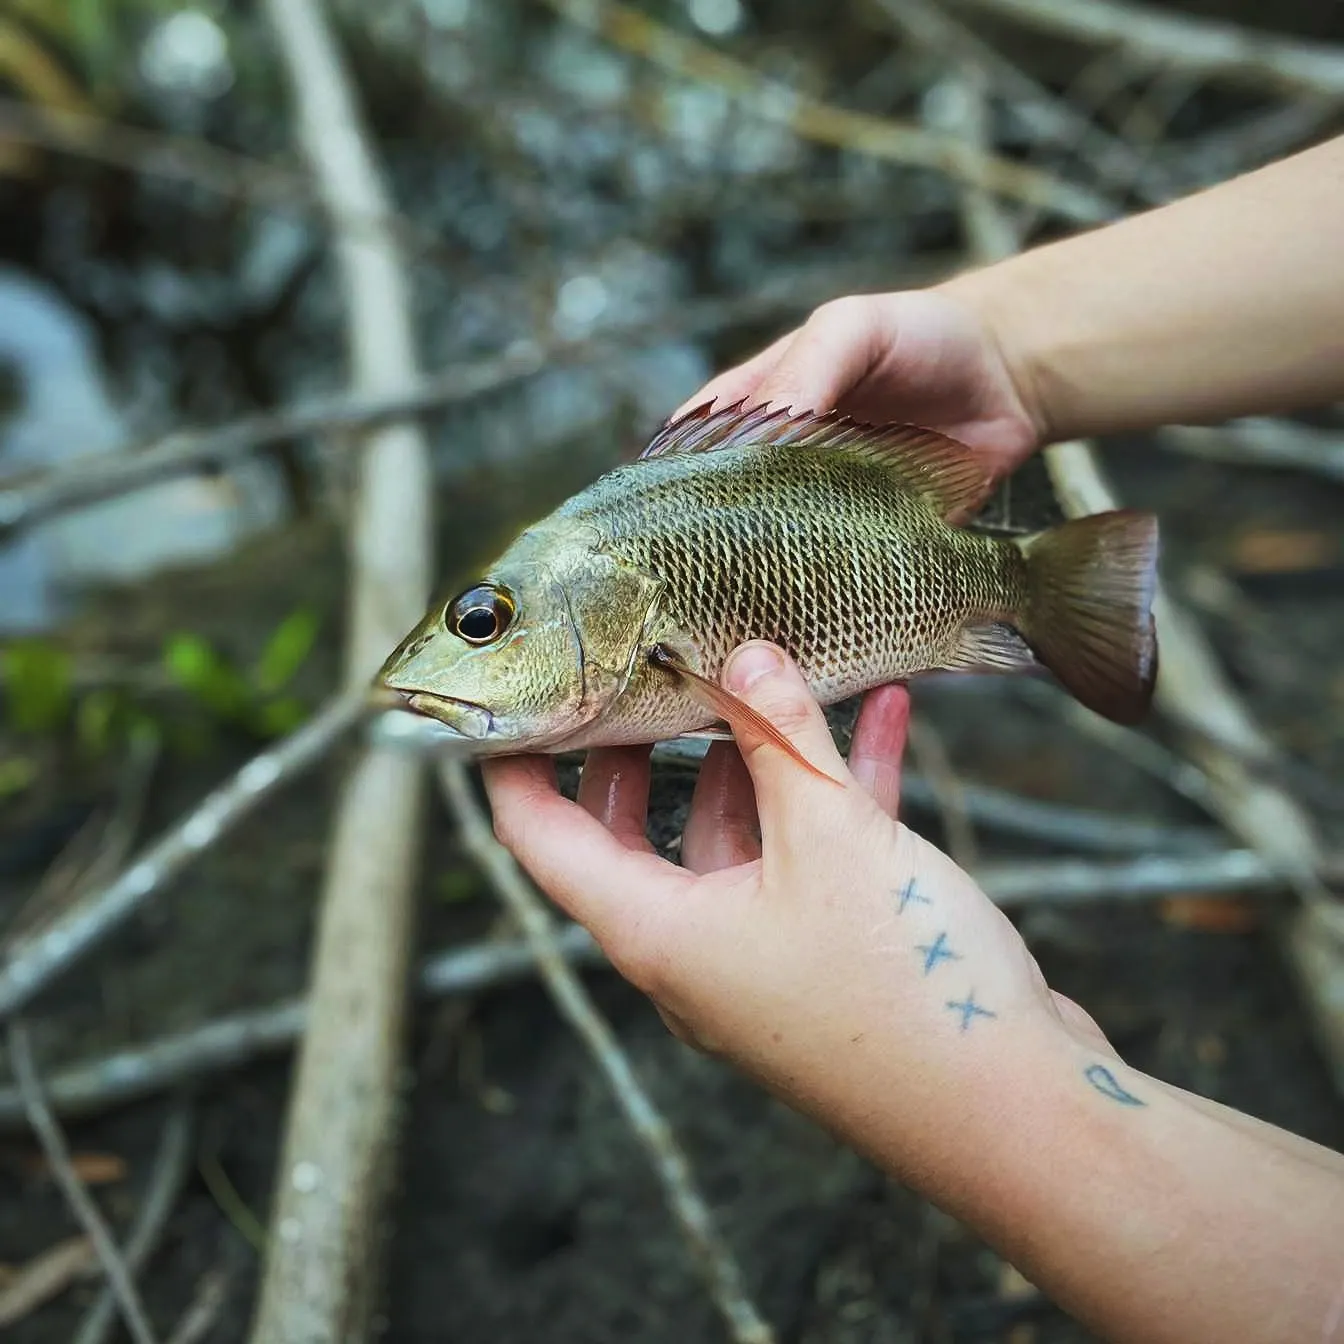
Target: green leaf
(457, 886)
(37, 686)
(286, 650)
(275, 718)
(17, 773)
(195, 666)
(96, 721)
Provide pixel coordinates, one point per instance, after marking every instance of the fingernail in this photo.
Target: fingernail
(749, 664)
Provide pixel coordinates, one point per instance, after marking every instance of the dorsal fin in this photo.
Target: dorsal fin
(948, 473)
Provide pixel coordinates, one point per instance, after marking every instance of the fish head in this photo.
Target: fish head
(532, 651)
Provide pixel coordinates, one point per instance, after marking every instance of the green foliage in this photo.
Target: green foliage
(39, 699)
(37, 686)
(251, 698)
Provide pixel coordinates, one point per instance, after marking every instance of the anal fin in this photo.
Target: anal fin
(992, 648)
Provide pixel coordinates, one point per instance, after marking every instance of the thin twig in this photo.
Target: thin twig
(1262, 442)
(1205, 47)
(1088, 829)
(81, 1203)
(927, 747)
(27, 498)
(825, 123)
(1055, 120)
(715, 1257)
(202, 1315)
(199, 164)
(30, 964)
(45, 1277)
(238, 1039)
(321, 1278)
(172, 1162)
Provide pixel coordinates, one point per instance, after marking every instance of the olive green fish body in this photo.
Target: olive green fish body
(828, 555)
(609, 621)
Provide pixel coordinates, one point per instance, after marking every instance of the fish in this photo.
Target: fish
(608, 621)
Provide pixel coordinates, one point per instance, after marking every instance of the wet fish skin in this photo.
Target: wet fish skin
(840, 542)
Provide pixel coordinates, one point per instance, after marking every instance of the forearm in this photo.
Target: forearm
(1148, 1214)
(1229, 302)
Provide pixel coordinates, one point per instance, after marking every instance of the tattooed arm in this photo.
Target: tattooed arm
(858, 973)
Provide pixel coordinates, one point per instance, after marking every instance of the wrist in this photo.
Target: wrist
(994, 297)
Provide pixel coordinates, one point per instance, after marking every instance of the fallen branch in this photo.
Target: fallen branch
(715, 1258)
(44, 1277)
(1054, 119)
(1204, 47)
(825, 123)
(28, 498)
(30, 963)
(1262, 442)
(81, 1203)
(240, 1038)
(172, 1163)
(197, 163)
(323, 1259)
(1088, 829)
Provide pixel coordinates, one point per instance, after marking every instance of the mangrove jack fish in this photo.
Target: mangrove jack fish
(608, 622)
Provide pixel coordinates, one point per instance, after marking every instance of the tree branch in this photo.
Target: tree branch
(1200, 46)
(323, 1262)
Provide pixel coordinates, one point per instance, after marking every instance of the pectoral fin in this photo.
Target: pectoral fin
(735, 712)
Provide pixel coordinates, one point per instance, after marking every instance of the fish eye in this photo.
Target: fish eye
(481, 614)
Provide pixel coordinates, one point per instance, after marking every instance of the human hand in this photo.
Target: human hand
(921, 356)
(809, 938)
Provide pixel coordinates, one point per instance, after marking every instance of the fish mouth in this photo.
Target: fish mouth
(470, 721)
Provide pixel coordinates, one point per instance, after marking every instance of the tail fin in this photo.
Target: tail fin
(1088, 614)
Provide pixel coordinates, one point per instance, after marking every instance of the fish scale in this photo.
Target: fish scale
(856, 577)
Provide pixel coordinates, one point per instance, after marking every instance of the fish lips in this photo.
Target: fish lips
(471, 722)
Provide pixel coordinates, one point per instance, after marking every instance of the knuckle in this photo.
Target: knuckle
(842, 314)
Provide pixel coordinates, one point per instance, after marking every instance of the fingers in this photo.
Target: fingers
(832, 352)
(878, 745)
(722, 830)
(589, 872)
(614, 788)
(772, 685)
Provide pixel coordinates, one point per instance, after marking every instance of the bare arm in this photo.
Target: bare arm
(1229, 302)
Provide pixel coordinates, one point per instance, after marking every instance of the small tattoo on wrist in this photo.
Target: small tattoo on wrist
(910, 895)
(936, 952)
(969, 1010)
(1109, 1085)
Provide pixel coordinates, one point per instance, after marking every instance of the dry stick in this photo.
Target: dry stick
(44, 1277)
(31, 963)
(53, 1143)
(948, 790)
(207, 1302)
(199, 164)
(1262, 442)
(1200, 46)
(29, 497)
(172, 1162)
(1080, 828)
(716, 1259)
(824, 123)
(238, 1039)
(1052, 118)
(323, 1264)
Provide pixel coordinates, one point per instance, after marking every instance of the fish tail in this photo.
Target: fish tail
(1088, 610)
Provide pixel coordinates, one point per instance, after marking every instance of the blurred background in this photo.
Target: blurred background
(597, 206)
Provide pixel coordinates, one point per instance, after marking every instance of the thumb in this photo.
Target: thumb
(770, 682)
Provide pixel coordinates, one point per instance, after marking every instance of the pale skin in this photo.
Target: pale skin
(849, 966)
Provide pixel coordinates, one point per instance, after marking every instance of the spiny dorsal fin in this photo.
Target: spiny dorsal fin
(945, 471)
